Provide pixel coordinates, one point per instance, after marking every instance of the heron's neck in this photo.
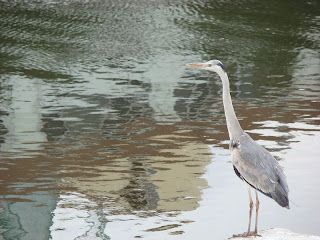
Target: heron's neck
(233, 124)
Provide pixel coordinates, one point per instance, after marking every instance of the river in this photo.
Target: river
(106, 134)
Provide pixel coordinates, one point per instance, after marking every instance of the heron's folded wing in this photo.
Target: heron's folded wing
(257, 167)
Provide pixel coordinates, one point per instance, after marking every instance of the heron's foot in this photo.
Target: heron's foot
(254, 234)
(246, 234)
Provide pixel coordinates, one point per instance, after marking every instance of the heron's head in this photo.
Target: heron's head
(212, 65)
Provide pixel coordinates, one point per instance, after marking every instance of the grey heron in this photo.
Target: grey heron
(252, 163)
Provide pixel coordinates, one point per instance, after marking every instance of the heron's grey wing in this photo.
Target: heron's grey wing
(259, 169)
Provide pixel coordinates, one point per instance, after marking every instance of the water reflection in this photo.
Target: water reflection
(23, 124)
(103, 129)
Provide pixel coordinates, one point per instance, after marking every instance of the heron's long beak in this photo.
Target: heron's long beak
(196, 65)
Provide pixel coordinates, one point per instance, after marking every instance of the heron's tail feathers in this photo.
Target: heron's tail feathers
(280, 194)
(281, 197)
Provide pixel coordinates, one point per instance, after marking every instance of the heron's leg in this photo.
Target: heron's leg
(257, 210)
(250, 210)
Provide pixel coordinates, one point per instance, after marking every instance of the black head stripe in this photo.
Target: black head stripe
(221, 65)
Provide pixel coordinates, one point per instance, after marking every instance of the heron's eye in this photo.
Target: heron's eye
(209, 65)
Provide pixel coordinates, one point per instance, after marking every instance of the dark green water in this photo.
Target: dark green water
(106, 134)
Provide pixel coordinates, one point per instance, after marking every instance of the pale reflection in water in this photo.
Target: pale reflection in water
(162, 175)
(167, 183)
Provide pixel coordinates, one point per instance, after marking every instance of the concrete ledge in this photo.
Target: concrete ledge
(279, 234)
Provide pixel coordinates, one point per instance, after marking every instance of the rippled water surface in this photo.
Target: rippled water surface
(106, 134)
